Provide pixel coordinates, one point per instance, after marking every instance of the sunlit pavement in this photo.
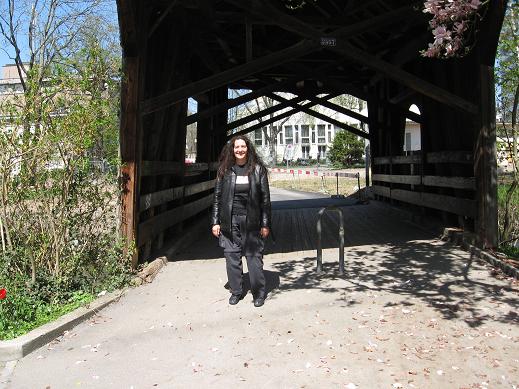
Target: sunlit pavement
(407, 313)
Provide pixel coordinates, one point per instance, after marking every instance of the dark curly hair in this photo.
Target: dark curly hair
(227, 159)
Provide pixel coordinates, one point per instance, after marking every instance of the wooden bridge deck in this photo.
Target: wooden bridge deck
(294, 227)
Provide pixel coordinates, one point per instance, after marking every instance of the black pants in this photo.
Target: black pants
(250, 244)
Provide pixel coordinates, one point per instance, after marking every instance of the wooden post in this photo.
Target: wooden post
(485, 165)
(130, 153)
(368, 164)
(219, 121)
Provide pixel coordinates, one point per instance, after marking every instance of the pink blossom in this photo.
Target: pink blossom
(451, 25)
(440, 34)
(474, 4)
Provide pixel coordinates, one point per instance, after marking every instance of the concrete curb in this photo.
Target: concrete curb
(465, 240)
(19, 347)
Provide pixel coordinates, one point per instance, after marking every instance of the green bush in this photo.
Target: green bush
(30, 304)
(58, 210)
(513, 213)
(346, 150)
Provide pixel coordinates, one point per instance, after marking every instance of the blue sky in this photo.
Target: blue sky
(4, 59)
(107, 9)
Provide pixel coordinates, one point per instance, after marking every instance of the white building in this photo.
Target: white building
(302, 136)
(412, 139)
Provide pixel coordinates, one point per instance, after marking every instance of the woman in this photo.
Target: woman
(241, 215)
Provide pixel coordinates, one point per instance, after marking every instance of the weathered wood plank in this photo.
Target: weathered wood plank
(381, 160)
(397, 160)
(451, 182)
(451, 204)
(157, 198)
(157, 224)
(403, 159)
(380, 190)
(397, 179)
(151, 200)
(157, 168)
(464, 157)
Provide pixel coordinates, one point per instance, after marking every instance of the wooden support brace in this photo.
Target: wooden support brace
(169, 98)
(319, 115)
(267, 111)
(280, 116)
(393, 72)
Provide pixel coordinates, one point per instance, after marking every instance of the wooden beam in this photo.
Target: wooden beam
(455, 205)
(319, 115)
(169, 98)
(126, 13)
(402, 96)
(468, 183)
(262, 113)
(154, 226)
(233, 102)
(158, 168)
(248, 42)
(338, 108)
(398, 178)
(161, 17)
(204, 54)
(151, 200)
(405, 54)
(272, 86)
(279, 117)
(391, 71)
(485, 162)
(463, 157)
(398, 160)
(397, 74)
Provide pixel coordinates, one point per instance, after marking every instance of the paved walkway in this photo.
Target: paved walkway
(410, 312)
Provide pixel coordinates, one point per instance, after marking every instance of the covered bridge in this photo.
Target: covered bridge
(177, 49)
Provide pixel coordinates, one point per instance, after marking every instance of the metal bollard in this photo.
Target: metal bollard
(341, 239)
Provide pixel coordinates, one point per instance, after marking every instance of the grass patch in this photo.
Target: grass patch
(324, 184)
(41, 314)
(511, 251)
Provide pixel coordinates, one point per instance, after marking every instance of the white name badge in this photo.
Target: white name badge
(242, 179)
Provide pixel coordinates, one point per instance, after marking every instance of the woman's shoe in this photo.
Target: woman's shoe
(234, 299)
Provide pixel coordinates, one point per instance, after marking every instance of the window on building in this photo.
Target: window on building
(258, 137)
(321, 150)
(297, 136)
(289, 132)
(305, 134)
(313, 136)
(330, 139)
(305, 152)
(321, 133)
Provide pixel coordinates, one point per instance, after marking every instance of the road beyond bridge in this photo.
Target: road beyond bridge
(411, 311)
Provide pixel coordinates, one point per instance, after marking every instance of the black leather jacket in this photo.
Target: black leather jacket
(258, 205)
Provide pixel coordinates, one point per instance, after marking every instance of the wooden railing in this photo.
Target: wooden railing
(159, 222)
(418, 194)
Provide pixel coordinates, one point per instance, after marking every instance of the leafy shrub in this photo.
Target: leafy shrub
(59, 242)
